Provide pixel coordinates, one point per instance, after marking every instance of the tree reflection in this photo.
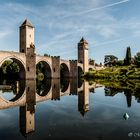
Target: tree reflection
(129, 88)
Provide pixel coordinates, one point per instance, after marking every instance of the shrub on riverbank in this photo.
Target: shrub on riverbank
(117, 72)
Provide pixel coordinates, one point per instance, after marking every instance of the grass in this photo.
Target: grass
(116, 72)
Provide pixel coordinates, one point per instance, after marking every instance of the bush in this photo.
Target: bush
(40, 76)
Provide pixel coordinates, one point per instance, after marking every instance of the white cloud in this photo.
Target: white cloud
(107, 33)
(97, 8)
(61, 24)
(108, 42)
(5, 33)
(136, 33)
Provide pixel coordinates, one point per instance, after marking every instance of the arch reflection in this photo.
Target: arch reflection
(64, 70)
(64, 84)
(43, 87)
(12, 90)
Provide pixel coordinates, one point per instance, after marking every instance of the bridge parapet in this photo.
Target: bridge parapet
(8, 104)
(7, 55)
(47, 59)
(92, 67)
(80, 65)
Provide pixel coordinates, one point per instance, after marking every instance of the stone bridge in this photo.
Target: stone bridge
(53, 91)
(27, 59)
(52, 64)
(27, 98)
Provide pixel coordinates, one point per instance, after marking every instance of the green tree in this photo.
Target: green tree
(110, 60)
(127, 60)
(120, 63)
(10, 67)
(137, 59)
(5, 65)
(39, 67)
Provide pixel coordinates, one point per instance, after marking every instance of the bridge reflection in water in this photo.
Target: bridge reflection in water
(26, 95)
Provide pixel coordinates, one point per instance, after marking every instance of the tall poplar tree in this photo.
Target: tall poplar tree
(127, 60)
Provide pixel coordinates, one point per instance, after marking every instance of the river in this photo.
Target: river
(69, 109)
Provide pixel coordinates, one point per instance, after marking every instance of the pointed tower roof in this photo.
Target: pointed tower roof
(83, 40)
(27, 23)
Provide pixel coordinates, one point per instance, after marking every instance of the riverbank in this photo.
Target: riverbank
(129, 84)
(116, 72)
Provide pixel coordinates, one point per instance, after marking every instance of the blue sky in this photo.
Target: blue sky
(108, 25)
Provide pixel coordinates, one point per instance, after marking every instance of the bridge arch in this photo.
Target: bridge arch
(18, 90)
(44, 87)
(44, 67)
(64, 70)
(64, 84)
(20, 63)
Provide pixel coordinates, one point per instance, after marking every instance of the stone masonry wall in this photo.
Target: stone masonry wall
(30, 64)
(55, 66)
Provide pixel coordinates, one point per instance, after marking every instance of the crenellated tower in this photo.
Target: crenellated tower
(26, 36)
(83, 54)
(27, 46)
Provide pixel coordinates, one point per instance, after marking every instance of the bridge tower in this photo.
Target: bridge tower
(26, 36)
(83, 99)
(27, 112)
(83, 54)
(27, 47)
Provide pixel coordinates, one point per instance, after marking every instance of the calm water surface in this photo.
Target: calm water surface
(68, 110)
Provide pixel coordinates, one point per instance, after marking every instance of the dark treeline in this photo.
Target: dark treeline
(128, 68)
(111, 60)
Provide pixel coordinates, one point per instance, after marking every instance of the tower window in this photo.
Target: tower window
(28, 69)
(54, 69)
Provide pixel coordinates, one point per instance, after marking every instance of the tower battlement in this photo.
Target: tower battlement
(55, 57)
(73, 61)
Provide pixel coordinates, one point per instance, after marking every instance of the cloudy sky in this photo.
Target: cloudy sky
(108, 25)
